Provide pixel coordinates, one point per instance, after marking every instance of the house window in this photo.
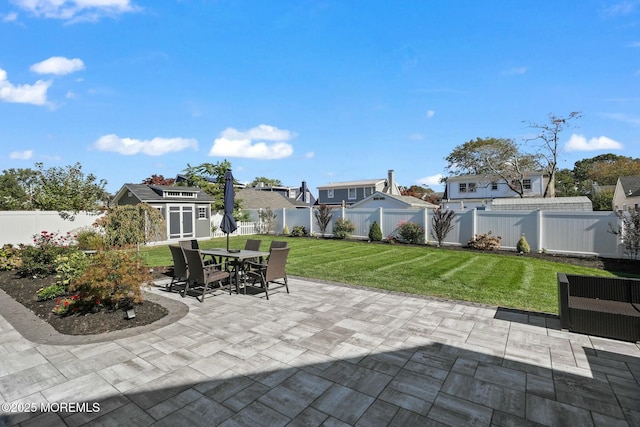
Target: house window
(329, 194)
(462, 187)
(352, 193)
(472, 187)
(494, 186)
(202, 212)
(526, 183)
(368, 191)
(180, 194)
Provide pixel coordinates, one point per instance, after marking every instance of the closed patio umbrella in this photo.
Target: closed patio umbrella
(228, 224)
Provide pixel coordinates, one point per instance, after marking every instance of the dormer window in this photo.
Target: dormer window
(184, 194)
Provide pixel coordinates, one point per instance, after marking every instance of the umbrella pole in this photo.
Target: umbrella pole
(227, 242)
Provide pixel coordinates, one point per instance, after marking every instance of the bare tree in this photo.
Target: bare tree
(441, 224)
(323, 217)
(549, 150)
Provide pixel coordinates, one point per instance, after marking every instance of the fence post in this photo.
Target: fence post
(540, 230)
(474, 223)
(425, 219)
(380, 219)
(310, 221)
(284, 219)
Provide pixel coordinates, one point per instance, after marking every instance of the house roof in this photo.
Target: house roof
(630, 185)
(148, 193)
(251, 199)
(351, 184)
(543, 203)
(410, 201)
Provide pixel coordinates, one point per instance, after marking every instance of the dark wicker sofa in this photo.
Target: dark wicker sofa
(604, 306)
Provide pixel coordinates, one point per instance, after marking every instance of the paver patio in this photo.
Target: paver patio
(326, 354)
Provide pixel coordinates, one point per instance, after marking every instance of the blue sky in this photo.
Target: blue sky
(322, 91)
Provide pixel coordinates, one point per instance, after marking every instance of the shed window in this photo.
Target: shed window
(202, 212)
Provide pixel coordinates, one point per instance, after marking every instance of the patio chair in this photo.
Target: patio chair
(273, 270)
(193, 244)
(250, 245)
(179, 268)
(201, 276)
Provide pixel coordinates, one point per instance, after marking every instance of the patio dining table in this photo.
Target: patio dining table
(239, 255)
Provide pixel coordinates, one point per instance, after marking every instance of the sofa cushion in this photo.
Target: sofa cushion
(605, 306)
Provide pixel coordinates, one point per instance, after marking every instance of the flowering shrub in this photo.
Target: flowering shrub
(66, 306)
(411, 232)
(45, 239)
(39, 259)
(113, 278)
(343, 228)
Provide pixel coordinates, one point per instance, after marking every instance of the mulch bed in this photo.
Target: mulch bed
(24, 290)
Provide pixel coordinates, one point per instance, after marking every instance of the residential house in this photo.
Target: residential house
(350, 192)
(392, 201)
(251, 199)
(477, 191)
(298, 194)
(187, 210)
(626, 196)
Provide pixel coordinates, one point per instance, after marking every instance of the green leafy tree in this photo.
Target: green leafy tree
(129, 225)
(549, 148)
(266, 181)
(210, 178)
(494, 158)
(566, 184)
(68, 189)
(17, 188)
(602, 200)
(582, 171)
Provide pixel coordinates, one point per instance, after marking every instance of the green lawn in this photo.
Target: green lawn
(489, 278)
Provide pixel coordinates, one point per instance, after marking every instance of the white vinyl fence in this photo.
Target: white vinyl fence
(19, 227)
(578, 233)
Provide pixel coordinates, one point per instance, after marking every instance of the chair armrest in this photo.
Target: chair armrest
(254, 265)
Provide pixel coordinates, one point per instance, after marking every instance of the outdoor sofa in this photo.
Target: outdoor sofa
(603, 306)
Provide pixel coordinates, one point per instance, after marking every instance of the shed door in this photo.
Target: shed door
(180, 222)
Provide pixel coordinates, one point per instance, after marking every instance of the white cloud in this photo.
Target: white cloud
(10, 17)
(430, 114)
(22, 155)
(431, 180)
(515, 71)
(580, 143)
(623, 118)
(58, 65)
(310, 155)
(251, 144)
(23, 94)
(76, 10)
(153, 147)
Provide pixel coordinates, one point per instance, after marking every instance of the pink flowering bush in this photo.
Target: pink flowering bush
(40, 259)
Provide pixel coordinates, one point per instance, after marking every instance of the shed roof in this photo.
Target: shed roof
(149, 193)
(581, 203)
